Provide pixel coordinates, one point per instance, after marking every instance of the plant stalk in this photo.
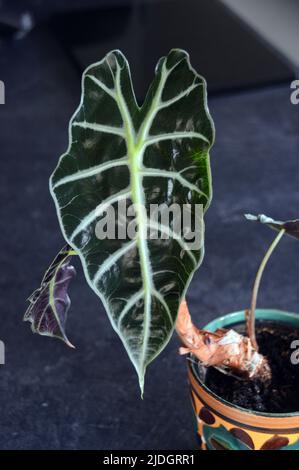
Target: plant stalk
(251, 313)
(72, 252)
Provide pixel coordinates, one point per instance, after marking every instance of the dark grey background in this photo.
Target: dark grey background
(56, 398)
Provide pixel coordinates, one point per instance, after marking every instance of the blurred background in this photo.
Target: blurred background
(248, 50)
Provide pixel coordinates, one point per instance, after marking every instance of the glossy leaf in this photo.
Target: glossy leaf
(49, 304)
(291, 227)
(154, 154)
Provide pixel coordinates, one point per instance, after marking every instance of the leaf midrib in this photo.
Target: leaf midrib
(135, 150)
(136, 145)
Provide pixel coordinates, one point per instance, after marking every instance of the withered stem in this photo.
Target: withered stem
(227, 350)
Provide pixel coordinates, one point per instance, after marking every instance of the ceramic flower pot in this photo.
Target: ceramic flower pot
(224, 426)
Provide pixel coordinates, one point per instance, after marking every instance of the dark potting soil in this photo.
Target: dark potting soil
(279, 396)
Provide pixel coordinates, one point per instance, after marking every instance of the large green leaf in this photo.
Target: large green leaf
(157, 153)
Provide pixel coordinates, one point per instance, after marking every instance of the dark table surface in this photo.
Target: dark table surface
(53, 397)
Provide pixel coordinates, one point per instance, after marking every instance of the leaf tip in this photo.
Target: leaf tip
(141, 383)
(69, 344)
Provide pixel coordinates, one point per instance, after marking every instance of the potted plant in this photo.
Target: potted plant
(130, 193)
(260, 411)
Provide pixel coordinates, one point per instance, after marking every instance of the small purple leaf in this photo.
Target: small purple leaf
(49, 304)
(291, 227)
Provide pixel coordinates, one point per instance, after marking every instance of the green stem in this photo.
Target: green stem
(69, 252)
(72, 252)
(251, 316)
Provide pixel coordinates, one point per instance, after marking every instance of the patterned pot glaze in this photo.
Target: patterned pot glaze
(224, 426)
